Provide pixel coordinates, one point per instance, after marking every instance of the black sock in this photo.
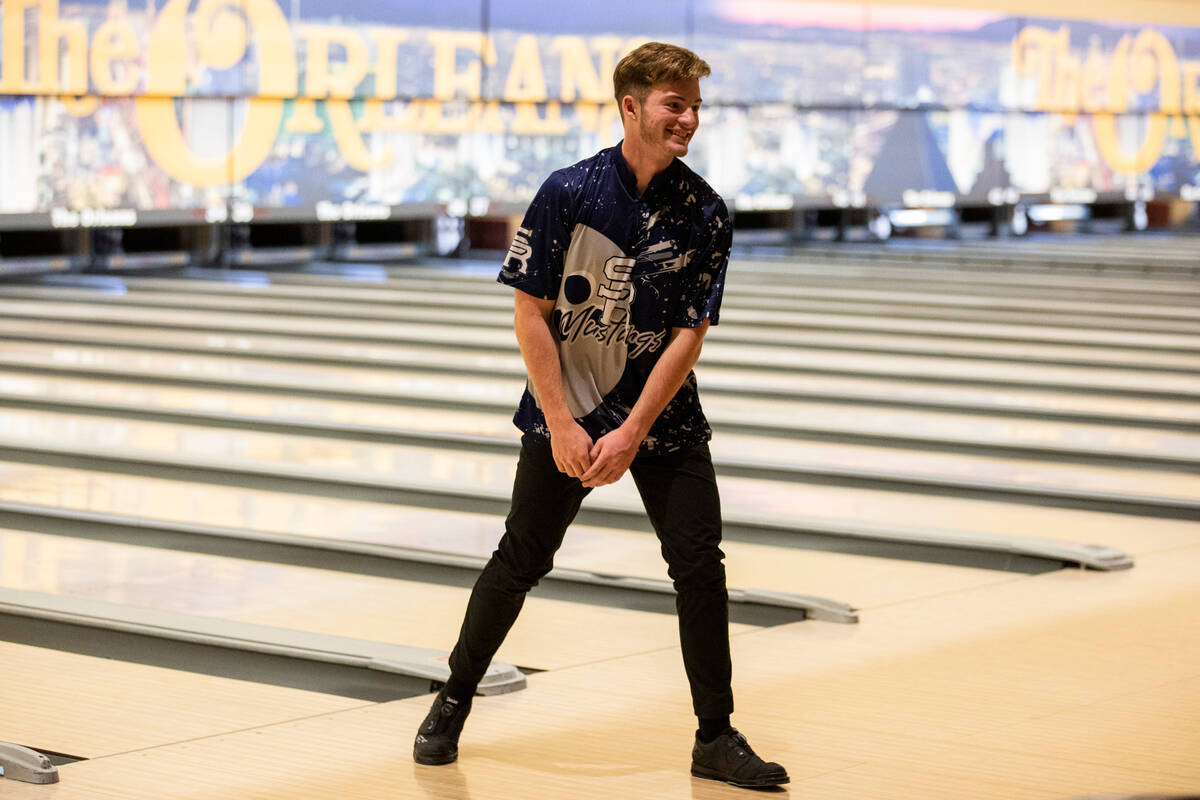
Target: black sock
(460, 691)
(712, 727)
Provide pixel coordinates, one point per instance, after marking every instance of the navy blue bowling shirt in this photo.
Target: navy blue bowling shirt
(623, 271)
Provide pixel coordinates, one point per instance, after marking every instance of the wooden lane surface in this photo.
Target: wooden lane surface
(765, 365)
(99, 434)
(94, 707)
(989, 693)
(750, 276)
(92, 308)
(158, 363)
(263, 408)
(548, 635)
(865, 581)
(489, 473)
(736, 344)
(478, 353)
(394, 283)
(1099, 254)
(781, 412)
(724, 345)
(791, 502)
(805, 270)
(776, 296)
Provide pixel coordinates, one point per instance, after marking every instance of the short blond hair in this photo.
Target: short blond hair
(654, 63)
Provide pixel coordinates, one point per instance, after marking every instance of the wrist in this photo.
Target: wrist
(637, 428)
(559, 420)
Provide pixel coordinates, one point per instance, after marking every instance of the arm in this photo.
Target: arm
(612, 453)
(569, 442)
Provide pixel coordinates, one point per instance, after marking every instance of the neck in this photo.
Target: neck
(645, 165)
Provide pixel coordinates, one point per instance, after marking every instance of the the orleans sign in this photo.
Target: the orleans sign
(1141, 74)
(218, 34)
(177, 44)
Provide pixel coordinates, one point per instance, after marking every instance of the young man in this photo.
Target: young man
(618, 268)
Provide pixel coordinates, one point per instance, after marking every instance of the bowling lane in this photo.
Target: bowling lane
(728, 448)
(376, 528)
(977, 430)
(751, 378)
(95, 707)
(804, 270)
(725, 345)
(1028, 401)
(909, 303)
(411, 613)
(792, 504)
(1044, 333)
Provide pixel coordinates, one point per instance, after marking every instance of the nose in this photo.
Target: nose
(689, 118)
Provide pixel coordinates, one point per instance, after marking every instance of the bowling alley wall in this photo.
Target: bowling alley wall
(124, 113)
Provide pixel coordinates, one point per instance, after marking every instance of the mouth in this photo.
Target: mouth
(683, 136)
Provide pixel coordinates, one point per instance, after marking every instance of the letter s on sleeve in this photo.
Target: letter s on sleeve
(534, 263)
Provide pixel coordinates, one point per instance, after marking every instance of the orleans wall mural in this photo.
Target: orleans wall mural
(124, 112)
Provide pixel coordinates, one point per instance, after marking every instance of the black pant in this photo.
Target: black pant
(679, 491)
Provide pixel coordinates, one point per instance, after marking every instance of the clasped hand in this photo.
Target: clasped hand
(594, 463)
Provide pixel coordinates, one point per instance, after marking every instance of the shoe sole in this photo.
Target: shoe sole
(712, 775)
(435, 761)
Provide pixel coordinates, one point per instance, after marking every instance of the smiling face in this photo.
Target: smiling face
(666, 121)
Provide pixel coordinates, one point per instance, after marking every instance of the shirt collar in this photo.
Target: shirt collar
(629, 180)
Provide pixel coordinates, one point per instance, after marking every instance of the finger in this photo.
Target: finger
(597, 466)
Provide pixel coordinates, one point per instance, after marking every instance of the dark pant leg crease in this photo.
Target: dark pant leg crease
(680, 493)
(544, 502)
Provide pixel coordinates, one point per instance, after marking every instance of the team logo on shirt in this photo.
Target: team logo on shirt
(517, 260)
(616, 290)
(592, 316)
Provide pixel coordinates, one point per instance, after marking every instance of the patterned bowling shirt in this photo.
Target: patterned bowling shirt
(623, 271)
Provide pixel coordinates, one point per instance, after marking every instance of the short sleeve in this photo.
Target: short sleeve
(704, 280)
(534, 262)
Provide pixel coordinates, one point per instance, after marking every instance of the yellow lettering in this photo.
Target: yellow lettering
(526, 81)
(220, 33)
(1154, 62)
(167, 78)
(1067, 86)
(1118, 79)
(489, 118)
(166, 55)
(320, 79)
(1035, 51)
(448, 81)
(1109, 141)
(1093, 83)
(350, 142)
(599, 118)
(52, 32)
(114, 40)
(1191, 88)
(80, 106)
(387, 42)
(528, 121)
(434, 116)
(376, 118)
(303, 117)
(12, 69)
(579, 76)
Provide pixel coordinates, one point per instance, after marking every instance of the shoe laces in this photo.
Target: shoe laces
(738, 742)
(446, 711)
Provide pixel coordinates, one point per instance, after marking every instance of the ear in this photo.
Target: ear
(629, 106)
